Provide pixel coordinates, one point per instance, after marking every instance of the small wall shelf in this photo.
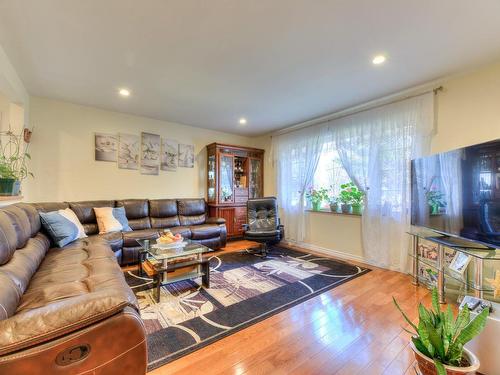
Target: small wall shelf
(5, 200)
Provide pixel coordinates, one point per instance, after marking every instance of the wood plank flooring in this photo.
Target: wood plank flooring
(351, 329)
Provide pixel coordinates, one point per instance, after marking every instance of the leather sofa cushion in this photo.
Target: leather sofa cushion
(204, 231)
(139, 224)
(163, 213)
(129, 238)
(134, 208)
(50, 206)
(8, 238)
(9, 297)
(73, 287)
(165, 222)
(191, 211)
(184, 231)
(17, 273)
(137, 211)
(19, 219)
(33, 217)
(85, 213)
(162, 207)
(114, 239)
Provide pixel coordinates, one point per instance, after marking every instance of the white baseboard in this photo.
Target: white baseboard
(337, 254)
(324, 250)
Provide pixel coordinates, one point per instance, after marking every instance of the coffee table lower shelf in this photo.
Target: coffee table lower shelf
(161, 276)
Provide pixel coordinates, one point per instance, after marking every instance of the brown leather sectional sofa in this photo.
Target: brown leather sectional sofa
(148, 219)
(64, 310)
(69, 310)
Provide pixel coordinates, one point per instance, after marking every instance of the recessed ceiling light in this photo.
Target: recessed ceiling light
(124, 92)
(243, 121)
(379, 59)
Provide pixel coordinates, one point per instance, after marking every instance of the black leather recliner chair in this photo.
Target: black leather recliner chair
(263, 224)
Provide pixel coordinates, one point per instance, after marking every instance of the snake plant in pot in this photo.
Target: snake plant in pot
(13, 161)
(438, 339)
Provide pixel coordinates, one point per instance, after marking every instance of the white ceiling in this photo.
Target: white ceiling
(207, 63)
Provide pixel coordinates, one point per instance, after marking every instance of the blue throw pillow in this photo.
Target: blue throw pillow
(119, 214)
(61, 230)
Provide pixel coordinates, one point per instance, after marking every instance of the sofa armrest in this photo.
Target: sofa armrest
(35, 326)
(215, 220)
(116, 344)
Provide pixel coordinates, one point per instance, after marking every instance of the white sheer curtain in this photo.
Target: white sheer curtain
(451, 176)
(376, 147)
(296, 158)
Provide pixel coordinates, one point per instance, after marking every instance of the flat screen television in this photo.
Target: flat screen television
(457, 193)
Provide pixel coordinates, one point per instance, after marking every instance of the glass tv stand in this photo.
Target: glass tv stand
(455, 266)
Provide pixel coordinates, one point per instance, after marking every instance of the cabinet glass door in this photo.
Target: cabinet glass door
(255, 178)
(226, 175)
(211, 178)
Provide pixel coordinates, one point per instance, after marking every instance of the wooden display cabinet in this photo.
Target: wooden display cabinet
(234, 174)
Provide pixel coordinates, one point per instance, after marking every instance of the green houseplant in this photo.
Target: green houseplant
(351, 198)
(436, 201)
(334, 203)
(438, 339)
(316, 197)
(13, 161)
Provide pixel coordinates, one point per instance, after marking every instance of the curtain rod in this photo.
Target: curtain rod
(377, 103)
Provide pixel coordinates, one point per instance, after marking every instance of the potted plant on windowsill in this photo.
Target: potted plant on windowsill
(316, 197)
(438, 339)
(334, 204)
(351, 198)
(436, 201)
(13, 157)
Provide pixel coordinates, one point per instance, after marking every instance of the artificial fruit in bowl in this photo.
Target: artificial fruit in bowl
(168, 237)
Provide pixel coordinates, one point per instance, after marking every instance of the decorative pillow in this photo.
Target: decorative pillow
(119, 214)
(111, 219)
(63, 226)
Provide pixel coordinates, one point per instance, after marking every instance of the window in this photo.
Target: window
(330, 173)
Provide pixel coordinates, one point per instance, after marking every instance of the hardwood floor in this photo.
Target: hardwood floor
(351, 329)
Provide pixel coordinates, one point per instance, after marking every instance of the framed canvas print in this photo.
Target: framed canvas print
(150, 153)
(106, 146)
(169, 150)
(128, 151)
(186, 156)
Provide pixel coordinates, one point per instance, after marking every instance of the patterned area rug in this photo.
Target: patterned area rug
(244, 289)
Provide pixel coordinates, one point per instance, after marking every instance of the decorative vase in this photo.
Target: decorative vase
(357, 209)
(334, 207)
(427, 367)
(9, 186)
(346, 208)
(316, 206)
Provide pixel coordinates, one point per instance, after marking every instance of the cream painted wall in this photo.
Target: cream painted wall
(63, 155)
(468, 112)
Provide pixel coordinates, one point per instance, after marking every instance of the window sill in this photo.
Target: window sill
(326, 211)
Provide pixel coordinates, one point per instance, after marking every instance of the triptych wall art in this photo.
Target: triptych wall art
(148, 152)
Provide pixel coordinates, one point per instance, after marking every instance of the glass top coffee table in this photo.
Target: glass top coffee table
(166, 265)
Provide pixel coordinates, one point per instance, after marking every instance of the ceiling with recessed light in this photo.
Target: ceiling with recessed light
(208, 63)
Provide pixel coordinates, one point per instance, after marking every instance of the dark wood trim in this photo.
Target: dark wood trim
(240, 148)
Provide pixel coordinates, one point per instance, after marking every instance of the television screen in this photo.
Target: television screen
(458, 192)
